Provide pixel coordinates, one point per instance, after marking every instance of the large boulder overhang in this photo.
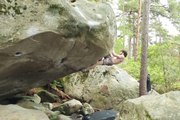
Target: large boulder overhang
(46, 40)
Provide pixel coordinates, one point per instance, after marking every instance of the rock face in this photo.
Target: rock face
(152, 107)
(103, 87)
(43, 40)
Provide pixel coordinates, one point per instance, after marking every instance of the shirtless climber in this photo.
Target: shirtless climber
(113, 58)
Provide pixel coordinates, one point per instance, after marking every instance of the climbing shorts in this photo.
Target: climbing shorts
(107, 61)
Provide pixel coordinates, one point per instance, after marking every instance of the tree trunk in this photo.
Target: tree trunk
(179, 58)
(138, 24)
(134, 37)
(130, 48)
(143, 71)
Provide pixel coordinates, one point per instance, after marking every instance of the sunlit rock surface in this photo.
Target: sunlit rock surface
(43, 40)
(15, 112)
(152, 107)
(104, 87)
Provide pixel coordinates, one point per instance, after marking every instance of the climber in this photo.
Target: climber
(113, 58)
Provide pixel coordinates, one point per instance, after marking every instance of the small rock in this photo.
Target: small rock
(69, 107)
(48, 97)
(87, 109)
(35, 99)
(48, 105)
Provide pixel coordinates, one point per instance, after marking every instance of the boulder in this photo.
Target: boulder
(69, 107)
(87, 109)
(41, 41)
(46, 96)
(33, 102)
(104, 87)
(152, 107)
(14, 112)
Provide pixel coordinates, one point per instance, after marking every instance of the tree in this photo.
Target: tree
(173, 9)
(137, 30)
(127, 19)
(163, 49)
(143, 70)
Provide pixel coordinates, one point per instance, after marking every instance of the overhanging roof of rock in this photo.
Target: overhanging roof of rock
(43, 40)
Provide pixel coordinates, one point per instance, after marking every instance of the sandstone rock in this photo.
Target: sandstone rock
(69, 107)
(87, 109)
(35, 98)
(152, 107)
(14, 112)
(33, 105)
(103, 87)
(41, 41)
(48, 97)
(47, 105)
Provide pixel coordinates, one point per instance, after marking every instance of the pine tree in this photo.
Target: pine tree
(143, 70)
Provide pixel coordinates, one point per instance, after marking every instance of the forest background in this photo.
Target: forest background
(163, 54)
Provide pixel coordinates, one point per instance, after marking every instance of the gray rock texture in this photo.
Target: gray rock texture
(42, 40)
(104, 87)
(152, 107)
(14, 112)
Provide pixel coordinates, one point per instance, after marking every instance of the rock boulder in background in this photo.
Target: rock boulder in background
(152, 107)
(104, 87)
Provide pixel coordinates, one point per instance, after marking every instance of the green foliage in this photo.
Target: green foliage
(163, 64)
(126, 29)
(118, 45)
(159, 10)
(57, 83)
(174, 8)
(160, 31)
(176, 40)
(164, 60)
(131, 67)
(163, 57)
(128, 5)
